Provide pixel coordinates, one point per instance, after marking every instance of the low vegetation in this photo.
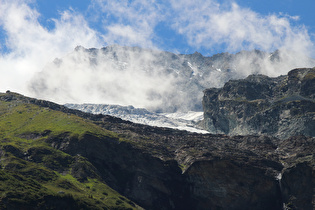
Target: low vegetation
(34, 175)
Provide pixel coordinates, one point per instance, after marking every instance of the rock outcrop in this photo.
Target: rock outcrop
(297, 185)
(282, 107)
(163, 168)
(159, 81)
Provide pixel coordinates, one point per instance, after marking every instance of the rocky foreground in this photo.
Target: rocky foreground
(156, 168)
(282, 107)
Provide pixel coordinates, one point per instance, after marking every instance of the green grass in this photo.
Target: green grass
(27, 118)
(31, 171)
(23, 182)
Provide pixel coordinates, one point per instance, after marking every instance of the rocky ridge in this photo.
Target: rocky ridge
(162, 168)
(158, 81)
(282, 106)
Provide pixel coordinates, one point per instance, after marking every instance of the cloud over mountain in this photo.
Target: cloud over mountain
(28, 45)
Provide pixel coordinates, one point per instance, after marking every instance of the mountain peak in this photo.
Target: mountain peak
(79, 47)
(152, 79)
(197, 53)
(66, 159)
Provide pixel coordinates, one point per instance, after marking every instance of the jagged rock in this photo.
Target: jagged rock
(153, 183)
(225, 184)
(156, 80)
(283, 106)
(298, 184)
(162, 168)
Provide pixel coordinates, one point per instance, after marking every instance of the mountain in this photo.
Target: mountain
(53, 157)
(282, 106)
(158, 81)
(35, 174)
(184, 121)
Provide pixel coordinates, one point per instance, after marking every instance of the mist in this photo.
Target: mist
(46, 63)
(125, 77)
(30, 46)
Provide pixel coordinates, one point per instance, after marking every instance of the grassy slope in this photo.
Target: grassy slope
(31, 171)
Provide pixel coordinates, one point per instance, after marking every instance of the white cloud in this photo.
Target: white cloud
(31, 46)
(204, 23)
(209, 24)
(131, 22)
(119, 78)
(236, 27)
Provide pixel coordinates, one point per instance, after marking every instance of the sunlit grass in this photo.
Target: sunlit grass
(31, 169)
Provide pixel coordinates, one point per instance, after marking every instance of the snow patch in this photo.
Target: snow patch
(189, 64)
(194, 70)
(193, 116)
(182, 121)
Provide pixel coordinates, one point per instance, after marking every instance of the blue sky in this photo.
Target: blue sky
(35, 32)
(299, 13)
(167, 28)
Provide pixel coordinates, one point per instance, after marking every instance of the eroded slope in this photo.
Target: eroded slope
(158, 168)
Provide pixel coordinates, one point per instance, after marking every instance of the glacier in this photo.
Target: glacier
(188, 121)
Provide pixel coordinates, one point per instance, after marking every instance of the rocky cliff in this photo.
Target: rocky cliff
(282, 107)
(156, 80)
(77, 153)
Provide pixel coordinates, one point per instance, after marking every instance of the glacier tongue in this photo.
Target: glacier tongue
(182, 121)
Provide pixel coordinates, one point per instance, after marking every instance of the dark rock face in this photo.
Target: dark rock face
(221, 172)
(162, 168)
(298, 184)
(153, 183)
(156, 184)
(224, 184)
(281, 107)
